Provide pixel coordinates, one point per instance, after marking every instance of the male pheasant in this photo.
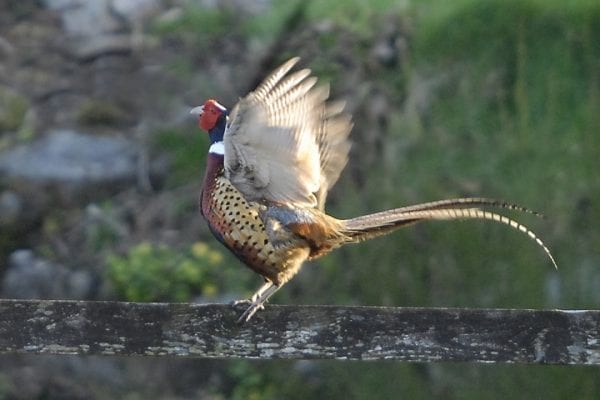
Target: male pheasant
(272, 160)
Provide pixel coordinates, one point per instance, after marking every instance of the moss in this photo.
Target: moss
(96, 112)
(13, 108)
(198, 22)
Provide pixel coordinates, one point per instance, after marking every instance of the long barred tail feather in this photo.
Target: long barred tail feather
(368, 226)
(468, 202)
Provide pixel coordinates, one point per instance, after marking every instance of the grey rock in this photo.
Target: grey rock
(69, 157)
(18, 216)
(11, 208)
(68, 167)
(79, 284)
(85, 18)
(95, 46)
(385, 53)
(135, 10)
(31, 277)
(93, 27)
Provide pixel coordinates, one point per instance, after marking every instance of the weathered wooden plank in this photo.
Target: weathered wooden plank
(300, 332)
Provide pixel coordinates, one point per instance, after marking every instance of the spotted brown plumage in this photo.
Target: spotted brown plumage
(271, 162)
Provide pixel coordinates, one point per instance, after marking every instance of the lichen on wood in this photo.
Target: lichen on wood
(300, 332)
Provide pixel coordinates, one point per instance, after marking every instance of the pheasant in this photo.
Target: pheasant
(272, 160)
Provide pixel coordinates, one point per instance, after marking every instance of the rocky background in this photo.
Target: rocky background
(100, 168)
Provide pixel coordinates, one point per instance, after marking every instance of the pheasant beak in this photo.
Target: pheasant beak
(197, 110)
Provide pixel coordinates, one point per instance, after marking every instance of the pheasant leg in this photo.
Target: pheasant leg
(257, 300)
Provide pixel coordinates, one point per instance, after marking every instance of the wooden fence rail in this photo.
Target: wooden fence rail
(300, 332)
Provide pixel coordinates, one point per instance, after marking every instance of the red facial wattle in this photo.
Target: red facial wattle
(210, 114)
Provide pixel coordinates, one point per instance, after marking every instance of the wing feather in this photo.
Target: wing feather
(284, 142)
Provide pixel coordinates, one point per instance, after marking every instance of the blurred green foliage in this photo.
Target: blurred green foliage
(188, 150)
(101, 112)
(511, 92)
(355, 16)
(198, 25)
(204, 28)
(12, 109)
(158, 273)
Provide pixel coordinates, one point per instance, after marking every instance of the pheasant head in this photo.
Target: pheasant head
(212, 118)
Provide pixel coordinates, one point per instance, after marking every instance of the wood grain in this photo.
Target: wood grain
(300, 332)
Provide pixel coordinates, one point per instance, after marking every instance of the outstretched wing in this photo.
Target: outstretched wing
(284, 143)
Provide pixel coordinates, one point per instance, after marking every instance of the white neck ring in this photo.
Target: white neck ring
(217, 148)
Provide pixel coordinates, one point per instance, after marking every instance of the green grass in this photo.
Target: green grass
(13, 108)
(386, 380)
(514, 118)
(356, 16)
